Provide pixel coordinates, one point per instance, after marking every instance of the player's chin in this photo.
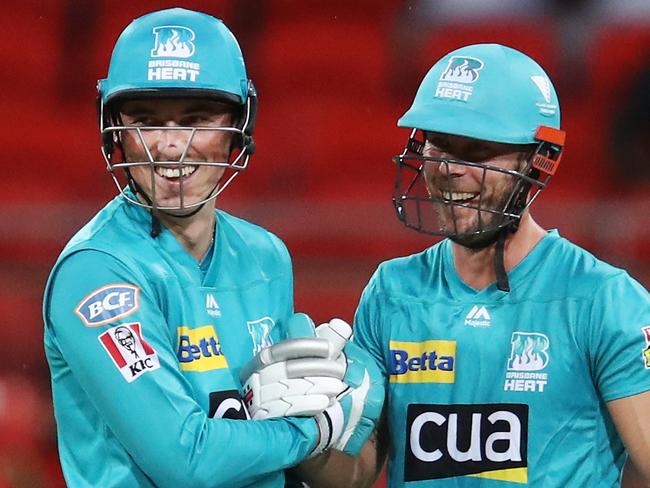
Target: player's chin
(178, 207)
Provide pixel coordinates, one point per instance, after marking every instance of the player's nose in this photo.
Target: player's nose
(171, 142)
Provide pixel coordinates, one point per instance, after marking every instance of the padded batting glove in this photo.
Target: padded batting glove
(300, 376)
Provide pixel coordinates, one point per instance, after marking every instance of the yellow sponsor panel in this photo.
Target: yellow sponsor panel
(423, 362)
(514, 475)
(199, 349)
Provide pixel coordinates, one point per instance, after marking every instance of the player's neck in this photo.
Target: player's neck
(195, 233)
(476, 267)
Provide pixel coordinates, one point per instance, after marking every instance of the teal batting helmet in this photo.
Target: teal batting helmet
(176, 53)
(485, 91)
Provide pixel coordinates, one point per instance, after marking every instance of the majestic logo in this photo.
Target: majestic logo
(528, 355)
(479, 440)
(422, 362)
(462, 69)
(108, 304)
(478, 317)
(199, 349)
(173, 41)
(129, 351)
(211, 305)
(646, 350)
(260, 331)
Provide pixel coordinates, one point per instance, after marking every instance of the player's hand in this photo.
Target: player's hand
(300, 376)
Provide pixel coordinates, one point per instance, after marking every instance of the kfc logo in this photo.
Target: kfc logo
(129, 351)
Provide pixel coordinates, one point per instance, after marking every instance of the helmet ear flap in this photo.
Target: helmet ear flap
(103, 118)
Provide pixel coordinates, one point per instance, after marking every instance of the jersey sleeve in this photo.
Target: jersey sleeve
(619, 339)
(148, 406)
(367, 324)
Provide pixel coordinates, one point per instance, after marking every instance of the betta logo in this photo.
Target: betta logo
(529, 351)
(199, 349)
(173, 41)
(422, 362)
(462, 69)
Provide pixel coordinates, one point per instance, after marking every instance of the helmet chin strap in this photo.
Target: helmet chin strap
(503, 283)
(487, 239)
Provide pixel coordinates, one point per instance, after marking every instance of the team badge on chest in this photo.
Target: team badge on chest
(529, 356)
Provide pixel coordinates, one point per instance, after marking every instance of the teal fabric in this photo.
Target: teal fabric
(512, 386)
(163, 420)
(485, 91)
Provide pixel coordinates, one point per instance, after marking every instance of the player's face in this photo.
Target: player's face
(198, 181)
(468, 185)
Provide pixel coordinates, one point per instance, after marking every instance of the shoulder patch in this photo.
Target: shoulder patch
(108, 304)
(129, 351)
(646, 349)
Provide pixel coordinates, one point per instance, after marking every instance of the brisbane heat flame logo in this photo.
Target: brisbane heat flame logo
(462, 69)
(529, 352)
(173, 41)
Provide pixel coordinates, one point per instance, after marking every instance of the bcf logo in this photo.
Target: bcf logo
(108, 304)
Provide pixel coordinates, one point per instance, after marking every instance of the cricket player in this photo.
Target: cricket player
(511, 356)
(162, 315)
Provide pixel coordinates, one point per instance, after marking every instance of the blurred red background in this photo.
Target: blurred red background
(333, 77)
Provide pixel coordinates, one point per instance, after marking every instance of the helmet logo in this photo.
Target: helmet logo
(544, 86)
(173, 41)
(547, 107)
(456, 78)
(462, 69)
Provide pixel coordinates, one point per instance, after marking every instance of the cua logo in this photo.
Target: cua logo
(480, 440)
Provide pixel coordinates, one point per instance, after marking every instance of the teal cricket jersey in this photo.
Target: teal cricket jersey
(145, 348)
(491, 389)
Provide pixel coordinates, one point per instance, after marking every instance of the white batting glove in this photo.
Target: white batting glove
(300, 376)
(321, 374)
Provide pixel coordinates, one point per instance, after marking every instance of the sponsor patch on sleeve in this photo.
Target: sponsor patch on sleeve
(108, 304)
(129, 351)
(646, 349)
